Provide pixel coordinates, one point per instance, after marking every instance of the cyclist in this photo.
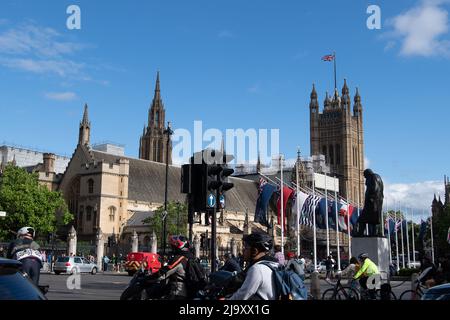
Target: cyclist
(184, 273)
(368, 269)
(27, 251)
(351, 270)
(259, 283)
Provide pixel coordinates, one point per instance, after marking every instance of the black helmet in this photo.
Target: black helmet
(363, 256)
(259, 240)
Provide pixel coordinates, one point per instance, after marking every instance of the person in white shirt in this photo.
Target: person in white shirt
(259, 283)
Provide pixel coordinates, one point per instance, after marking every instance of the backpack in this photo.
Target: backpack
(195, 276)
(288, 284)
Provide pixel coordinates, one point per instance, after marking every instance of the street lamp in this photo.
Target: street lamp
(168, 132)
(178, 217)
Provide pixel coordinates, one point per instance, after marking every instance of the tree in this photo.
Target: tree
(28, 203)
(176, 215)
(440, 232)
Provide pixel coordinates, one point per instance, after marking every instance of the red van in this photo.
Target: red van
(151, 262)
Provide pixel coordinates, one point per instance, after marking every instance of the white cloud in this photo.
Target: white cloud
(40, 41)
(254, 88)
(225, 34)
(422, 30)
(32, 48)
(417, 196)
(61, 96)
(366, 163)
(62, 68)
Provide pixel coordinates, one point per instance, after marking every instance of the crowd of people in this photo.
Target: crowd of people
(254, 267)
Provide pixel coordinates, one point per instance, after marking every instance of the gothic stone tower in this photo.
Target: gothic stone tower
(84, 134)
(153, 141)
(337, 133)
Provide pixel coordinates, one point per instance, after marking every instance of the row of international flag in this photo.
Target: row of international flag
(347, 214)
(309, 205)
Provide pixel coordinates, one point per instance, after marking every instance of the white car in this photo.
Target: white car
(321, 267)
(74, 265)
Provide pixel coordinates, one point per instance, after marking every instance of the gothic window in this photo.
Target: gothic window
(157, 119)
(161, 155)
(331, 150)
(155, 150)
(90, 186)
(324, 152)
(338, 154)
(112, 213)
(88, 213)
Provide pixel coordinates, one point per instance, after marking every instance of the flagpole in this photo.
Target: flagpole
(282, 205)
(413, 241)
(348, 232)
(326, 216)
(298, 205)
(388, 218)
(432, 237)
(337, 226)
(314, 224)
(407, 238)
(403, 244)
(396, 237)
(335, 82)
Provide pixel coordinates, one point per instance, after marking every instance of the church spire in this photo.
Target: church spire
(85, 128)
(157, 88)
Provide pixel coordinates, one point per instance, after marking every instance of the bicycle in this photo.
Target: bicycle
(340, 292)
(414, 294)
(383, 293)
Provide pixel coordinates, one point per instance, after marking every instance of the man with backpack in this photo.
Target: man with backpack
(265, 278)
(297, 265)
(259, 283)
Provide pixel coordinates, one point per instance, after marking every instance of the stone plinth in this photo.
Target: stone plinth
(378, 250)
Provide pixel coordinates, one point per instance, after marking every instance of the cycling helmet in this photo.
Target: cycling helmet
(363, 256)
(178, 242)
(291, 255)
(259, 240)
(26, 230)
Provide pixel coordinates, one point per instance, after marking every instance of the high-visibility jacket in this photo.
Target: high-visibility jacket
(368, 269)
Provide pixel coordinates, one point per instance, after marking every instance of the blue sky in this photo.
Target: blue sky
(254, 61)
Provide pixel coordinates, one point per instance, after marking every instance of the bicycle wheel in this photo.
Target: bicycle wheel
(347, 293)
(391, 294)
(329, 294)
(410, 295)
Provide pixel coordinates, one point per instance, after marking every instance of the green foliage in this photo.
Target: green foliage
(175, 212)
(29, 204)
(440, 231)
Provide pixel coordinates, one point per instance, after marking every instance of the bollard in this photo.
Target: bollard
(315, 285)
(414, 284)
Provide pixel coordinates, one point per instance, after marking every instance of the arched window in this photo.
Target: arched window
(90, 186)
(324, 152)
(112, 213)
(338, 154)
(146, 243)
(157, 118)
(88, 213)
(331, 150)
(155, 150)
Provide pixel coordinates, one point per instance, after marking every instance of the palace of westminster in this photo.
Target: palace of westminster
(107, 190)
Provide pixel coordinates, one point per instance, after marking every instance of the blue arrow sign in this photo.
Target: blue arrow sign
(211, 200)
(222, 201)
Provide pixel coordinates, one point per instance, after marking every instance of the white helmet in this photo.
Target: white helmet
(26, 230)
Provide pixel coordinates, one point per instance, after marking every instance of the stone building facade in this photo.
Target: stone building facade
(337, 132)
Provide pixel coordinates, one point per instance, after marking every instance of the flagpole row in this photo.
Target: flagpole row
(337, 228)
(396, 237)
(282, 205)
